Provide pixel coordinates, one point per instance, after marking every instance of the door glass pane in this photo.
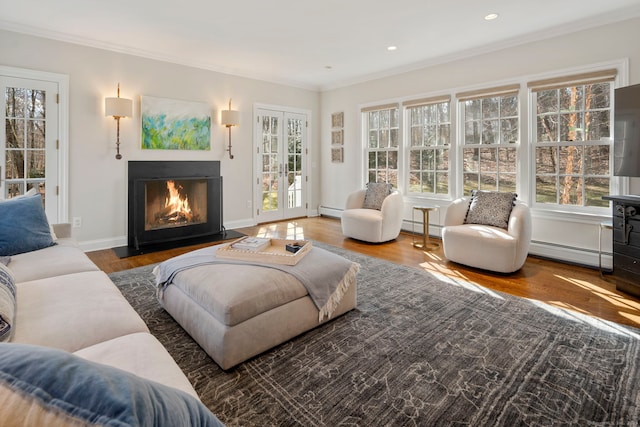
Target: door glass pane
(270, 164)
(35, 163)
(36, 134)
(36, 104)
(15, 133)
(14, 165)
(15, 189)
(15, 98)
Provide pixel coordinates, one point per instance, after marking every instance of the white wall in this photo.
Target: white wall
(98, 182)
(576, 240)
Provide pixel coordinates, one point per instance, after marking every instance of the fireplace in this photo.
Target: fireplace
(172, 201)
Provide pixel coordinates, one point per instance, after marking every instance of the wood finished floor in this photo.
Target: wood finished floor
(568, 286)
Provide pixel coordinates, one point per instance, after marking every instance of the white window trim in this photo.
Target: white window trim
(461, 143)
(364, 110)
(406, 145)
(63, 129)
(619, 185)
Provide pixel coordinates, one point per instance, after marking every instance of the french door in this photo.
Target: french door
(28, 141)
(281, 150)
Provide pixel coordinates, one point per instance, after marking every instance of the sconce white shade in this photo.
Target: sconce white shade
(118, 107)
(229, 118)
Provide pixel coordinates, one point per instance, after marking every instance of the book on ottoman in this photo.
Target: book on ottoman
(251, 244)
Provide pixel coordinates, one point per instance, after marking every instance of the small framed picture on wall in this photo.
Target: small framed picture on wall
(336, 137)
(337, 155)
(337, 120)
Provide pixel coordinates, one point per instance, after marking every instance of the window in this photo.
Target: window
(429, 141)
(572, 145)
(491, 129)
(382, 124)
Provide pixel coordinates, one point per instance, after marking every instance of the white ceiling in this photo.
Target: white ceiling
(317, 45)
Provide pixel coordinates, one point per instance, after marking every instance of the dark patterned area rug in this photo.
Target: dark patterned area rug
(419, 351)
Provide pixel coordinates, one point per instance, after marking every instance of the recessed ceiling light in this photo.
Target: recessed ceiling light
(491, 17)
(328, 67)
(392, 47)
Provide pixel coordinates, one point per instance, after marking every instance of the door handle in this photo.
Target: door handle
(280, 170)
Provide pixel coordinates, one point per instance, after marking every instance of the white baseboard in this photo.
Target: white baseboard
(247, 222)
(571, 255)
(100, 244)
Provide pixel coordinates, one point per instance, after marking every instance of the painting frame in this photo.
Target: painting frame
(172, 124)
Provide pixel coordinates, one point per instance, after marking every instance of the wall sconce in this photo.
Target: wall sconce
(118, 108)
(229, 118)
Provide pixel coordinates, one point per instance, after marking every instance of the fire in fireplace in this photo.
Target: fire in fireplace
(175, 203)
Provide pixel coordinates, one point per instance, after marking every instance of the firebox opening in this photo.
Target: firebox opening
(175, 203)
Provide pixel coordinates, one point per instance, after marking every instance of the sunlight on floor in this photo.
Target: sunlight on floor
(568, 306)
(627, 308)
(455, 278)
(633, 317)
(585, 318)
(611, 297)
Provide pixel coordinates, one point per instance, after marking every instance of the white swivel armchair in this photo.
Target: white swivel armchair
(485, 246)
(372, 225)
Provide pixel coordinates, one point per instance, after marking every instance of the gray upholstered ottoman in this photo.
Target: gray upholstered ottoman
(237, 310)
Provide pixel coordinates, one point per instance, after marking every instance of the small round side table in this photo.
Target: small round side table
(425, 244)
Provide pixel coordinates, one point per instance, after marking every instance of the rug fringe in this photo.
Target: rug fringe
(341, 289)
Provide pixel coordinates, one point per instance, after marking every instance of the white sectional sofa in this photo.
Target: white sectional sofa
(72, 323)
(64, 301)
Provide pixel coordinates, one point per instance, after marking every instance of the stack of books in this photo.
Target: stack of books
(252, 244)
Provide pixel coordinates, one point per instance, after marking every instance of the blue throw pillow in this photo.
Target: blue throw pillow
(23, 226)
(56, 387)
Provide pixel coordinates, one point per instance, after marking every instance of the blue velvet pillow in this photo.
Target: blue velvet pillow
(23, 226)
(56, 387)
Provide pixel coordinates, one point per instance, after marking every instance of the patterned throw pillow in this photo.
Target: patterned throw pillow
(490, 208)
(375, 195)
(7, 303)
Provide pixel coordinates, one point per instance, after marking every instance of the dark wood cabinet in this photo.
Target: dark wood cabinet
(626, 242)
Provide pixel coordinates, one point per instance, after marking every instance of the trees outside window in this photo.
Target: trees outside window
(429, 141)
(489, 142)
(382, 129)
(572, 145)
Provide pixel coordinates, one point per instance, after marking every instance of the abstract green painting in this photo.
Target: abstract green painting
(169, 124)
